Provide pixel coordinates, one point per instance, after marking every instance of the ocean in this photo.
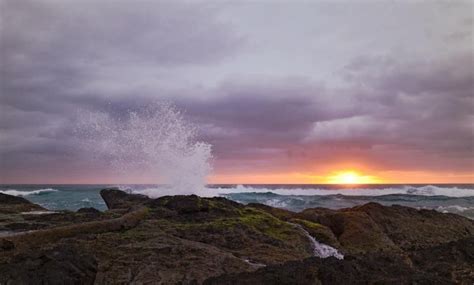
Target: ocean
(458, 199)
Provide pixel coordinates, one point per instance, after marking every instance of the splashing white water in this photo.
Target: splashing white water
(14, 192)
(320, 249)
(155, 139)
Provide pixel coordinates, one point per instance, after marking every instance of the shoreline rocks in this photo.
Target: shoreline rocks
(15, 205)
(194, 240)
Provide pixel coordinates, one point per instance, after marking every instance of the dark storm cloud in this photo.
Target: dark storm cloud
(61, 57)
(50, 50)
(422, 107)
(52, 53)
(417, 76)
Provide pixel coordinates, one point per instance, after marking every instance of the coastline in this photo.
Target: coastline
(194, 240)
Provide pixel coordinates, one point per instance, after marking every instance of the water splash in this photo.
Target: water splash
(320, 249)
(155, 139)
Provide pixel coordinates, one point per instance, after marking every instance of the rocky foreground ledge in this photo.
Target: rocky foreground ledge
(193, 240)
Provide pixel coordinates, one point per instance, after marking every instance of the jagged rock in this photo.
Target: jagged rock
(453, 260)
(373, 227)
(321, 233)
(447, 264)
(188, 239)
(146, 255)
(282, 214)
(50, 235)
(367, 269)
(410, 228)
(60, 265)
(90, 210)
(11, 204)
(6, 245)
(243, 231)
(117, 199)
(356, 232)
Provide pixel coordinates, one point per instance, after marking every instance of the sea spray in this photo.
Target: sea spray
(156, 140)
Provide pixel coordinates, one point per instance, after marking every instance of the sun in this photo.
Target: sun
(350, 177)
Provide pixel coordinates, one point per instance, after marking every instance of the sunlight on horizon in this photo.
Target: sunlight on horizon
(351, 177)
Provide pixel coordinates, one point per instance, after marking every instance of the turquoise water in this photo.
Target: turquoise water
(457, 199)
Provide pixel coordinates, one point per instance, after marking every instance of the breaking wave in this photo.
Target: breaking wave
(18, 193)
(426, 190)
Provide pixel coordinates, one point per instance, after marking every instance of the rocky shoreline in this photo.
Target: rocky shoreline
(193, 240)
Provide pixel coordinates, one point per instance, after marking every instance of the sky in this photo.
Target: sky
(285, 91)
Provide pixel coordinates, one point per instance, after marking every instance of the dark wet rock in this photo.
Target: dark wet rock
(9, 199)
(243, 231)
(453, 260)
(373, 227)
(89, 210)
(117, 199)
(11, 204)
(410, 228)
(189, 239)
(50, 235)
(25, 226)
(282, 214)
(321, 233)
(356, 232)
(60, 265)
(6, 245)
(195, 208)
(368, 269)
(146, 255)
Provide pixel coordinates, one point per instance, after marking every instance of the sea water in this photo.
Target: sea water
(458, 199)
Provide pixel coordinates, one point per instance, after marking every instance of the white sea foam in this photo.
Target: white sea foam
(428, 190)
(453, 208)
(14, 192)
(38, 213)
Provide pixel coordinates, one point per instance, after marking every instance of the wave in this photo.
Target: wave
(453, 208)
(14, 192)
(428, 190)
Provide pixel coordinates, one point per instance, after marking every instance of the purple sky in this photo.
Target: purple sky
(287, 87)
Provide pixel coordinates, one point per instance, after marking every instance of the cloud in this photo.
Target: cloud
(388, 107)
(76, 50)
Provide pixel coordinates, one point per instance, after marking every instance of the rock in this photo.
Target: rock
(293, 272)
(410, 228)
(356, 232)
(11, 204)
(244, 231)
(60, 265)
(195, 208)
(194, 240)
(453, 260)
(321, 233)
(368, 269)
(117, 199)
(281, 214)
(145, 255)
(53, 234)
(6, 245)
(373, 227)
(89, 210)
